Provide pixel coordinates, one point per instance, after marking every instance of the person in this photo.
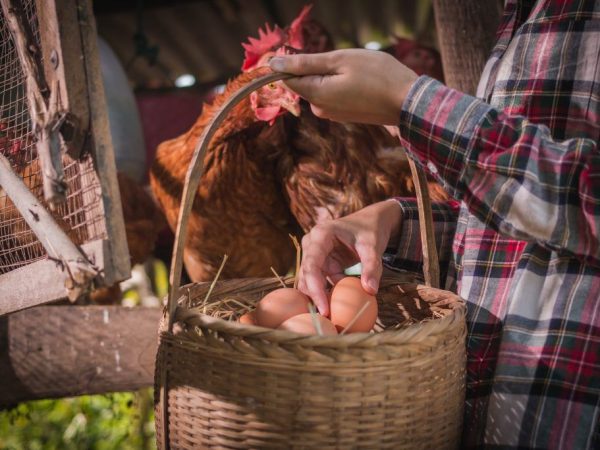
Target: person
(523, 161)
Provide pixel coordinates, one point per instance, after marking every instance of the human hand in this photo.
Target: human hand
(333, 246)
(363, 86)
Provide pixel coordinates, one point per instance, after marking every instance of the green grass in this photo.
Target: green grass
(95, 422)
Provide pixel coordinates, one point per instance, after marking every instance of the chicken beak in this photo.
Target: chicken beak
(292, 107)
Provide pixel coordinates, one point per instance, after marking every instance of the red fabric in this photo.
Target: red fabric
(166, 115)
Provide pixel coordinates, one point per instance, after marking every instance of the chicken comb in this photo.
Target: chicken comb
(268, 39)
(295, 37)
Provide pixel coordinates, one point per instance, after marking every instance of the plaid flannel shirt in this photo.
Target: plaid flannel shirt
(523, 160)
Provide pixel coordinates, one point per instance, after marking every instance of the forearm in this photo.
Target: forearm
(509, 172)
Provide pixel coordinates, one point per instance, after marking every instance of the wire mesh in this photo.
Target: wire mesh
(81, 216)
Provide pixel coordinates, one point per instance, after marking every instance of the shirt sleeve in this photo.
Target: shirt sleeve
(408, 254)
(508, 171)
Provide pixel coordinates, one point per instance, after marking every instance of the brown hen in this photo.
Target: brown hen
(239, 209)
(335, 169)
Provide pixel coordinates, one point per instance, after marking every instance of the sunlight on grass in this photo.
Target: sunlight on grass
(96, 422)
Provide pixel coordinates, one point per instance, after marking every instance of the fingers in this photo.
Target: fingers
(312, 64)
(315, 249)
(314, 285)
(372, 267)
(393, 130)
(333, 269)
(306, 86)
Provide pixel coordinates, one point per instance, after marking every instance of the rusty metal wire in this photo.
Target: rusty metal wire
(81, 216)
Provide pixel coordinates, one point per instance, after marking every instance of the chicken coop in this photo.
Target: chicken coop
(55, 139)
(93, 95)
(62, 234)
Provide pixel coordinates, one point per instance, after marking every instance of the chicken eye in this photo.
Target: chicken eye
(271, 85)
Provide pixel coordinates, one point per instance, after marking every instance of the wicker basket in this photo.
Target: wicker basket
(221, 384)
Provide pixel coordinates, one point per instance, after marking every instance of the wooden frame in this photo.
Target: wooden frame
(72, 70)
(64, 66)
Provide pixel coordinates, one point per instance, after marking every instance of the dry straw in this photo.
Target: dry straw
(355, 318)
(298, 259)
(278, 277)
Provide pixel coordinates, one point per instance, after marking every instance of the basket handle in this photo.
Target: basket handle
(192, 180)
(196, 169)
(431, 264)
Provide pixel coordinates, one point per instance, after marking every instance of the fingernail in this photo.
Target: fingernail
(323, 310)
(373, 285)
(277, 64)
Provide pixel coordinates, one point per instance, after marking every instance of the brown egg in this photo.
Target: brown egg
(248, 318)
(279, 305)
(347, 299)
(303, 324)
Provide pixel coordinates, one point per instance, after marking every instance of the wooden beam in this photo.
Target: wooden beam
(41, 282)
(61, 351)
(60, 40)
(466, 34)
(117, 261)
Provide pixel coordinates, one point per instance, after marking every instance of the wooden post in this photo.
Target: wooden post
(117, 259)
(64, 67)
(466, 33)
(61, 351)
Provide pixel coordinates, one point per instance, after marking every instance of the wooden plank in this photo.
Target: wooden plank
(117, 265)
(60, 351)
(41, 282)
(64, 67)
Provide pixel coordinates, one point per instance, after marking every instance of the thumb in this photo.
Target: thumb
(306, 87)
(371, 268)
(303, 64)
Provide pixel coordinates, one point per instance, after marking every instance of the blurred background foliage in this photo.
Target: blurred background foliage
(92, 422)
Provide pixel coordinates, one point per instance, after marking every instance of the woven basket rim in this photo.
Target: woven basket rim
(409, 334)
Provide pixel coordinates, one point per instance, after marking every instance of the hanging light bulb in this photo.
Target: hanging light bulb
(373, 45)
(185, 80)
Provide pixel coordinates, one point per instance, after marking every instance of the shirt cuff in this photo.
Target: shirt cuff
(408, 255)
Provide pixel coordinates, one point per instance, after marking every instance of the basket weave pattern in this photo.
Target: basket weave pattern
(235, 386)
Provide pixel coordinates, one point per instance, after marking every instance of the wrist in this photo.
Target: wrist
(392, 218)
(402, 92)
